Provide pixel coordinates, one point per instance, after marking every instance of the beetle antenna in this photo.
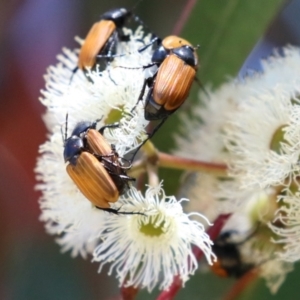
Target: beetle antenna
(197, 47)
(202, 87)
(64, 136)
(154, 39)
(136, 5)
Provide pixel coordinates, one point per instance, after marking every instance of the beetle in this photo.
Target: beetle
(102, 39)
(94, 166)
(230, 262)
(103, 36)
(177, 62)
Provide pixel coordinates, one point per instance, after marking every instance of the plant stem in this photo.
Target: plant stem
(128, 293)
(153, 179)
(175, 162)
(241, 284)
(213, 232)
(164, 160)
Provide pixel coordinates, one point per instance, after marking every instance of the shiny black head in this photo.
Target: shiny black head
(187, 54)
(118, 15)
(82, 127)
(159, 55)
(75, 144)
(73, 147)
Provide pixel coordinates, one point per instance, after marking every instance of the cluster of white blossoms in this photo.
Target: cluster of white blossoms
(147, 249)
(253, 126)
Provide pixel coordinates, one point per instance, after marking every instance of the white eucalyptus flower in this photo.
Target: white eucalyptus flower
(262, 154)
(262, 134)
(148, 251)
(287, 228)
(202, 139)
(201, 135)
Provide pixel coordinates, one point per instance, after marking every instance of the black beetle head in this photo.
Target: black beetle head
(82, 127)
(73, 147)
(118, 15)
(187, 54)
(159, 55)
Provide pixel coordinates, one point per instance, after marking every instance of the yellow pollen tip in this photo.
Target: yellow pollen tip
(114, 116)
(277, 139)
(150, 229)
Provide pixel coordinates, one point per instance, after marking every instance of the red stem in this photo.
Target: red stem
(129, 293)
(241, 284)
(183, 17)
(213, 232)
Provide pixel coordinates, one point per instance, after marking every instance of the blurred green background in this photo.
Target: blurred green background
(32, 33)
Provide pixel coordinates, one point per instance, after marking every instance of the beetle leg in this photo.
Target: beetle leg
(157, 127)
(103, 158)
(109, 75)
(100, 157)
(126, 161)
(141, 95)
(156, 38)
(118, 212)
(115, 125)
(125, 177)
(150, 135)
(108, 51)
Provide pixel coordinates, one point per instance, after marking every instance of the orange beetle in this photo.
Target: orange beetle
(177, 63)
(94, 166)
(103, 37)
